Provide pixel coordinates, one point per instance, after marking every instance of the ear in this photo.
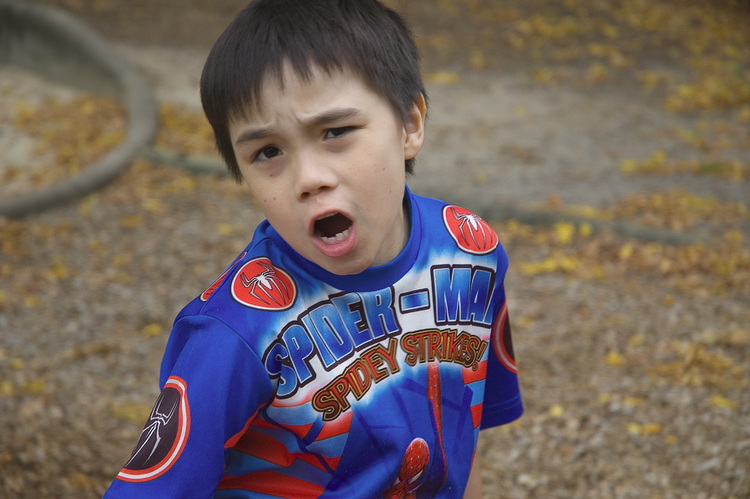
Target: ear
(414, 128)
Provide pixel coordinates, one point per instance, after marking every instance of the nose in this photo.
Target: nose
(313, 175)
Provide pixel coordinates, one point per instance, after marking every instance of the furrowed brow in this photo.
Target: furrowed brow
(322, 119)
(333, 116)
(251, 135)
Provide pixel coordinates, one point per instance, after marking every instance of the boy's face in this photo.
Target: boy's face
(324, 158)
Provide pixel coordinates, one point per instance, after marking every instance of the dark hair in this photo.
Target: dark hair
(359, 35)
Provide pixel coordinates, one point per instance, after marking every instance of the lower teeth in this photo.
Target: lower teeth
(337, 238)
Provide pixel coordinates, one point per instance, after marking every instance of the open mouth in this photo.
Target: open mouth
(332, 228)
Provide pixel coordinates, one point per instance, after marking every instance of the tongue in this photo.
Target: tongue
(330, 226)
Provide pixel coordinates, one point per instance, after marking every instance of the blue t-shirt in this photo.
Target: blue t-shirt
(284, 380)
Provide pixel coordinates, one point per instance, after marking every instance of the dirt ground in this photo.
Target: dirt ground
(591, 134)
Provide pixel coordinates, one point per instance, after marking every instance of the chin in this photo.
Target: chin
(345, 268)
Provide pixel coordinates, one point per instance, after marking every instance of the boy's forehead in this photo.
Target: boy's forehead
(312, 83)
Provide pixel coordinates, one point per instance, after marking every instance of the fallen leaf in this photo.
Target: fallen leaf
(615, 359)
(154, 329)
(720, 401)
(132, 413)
(556, 411)
(442, 78)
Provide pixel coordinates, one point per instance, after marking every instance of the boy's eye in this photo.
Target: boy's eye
(267, 153)
(332, 133)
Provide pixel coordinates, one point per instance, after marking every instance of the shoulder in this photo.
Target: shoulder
(258, 279)
(469, 231)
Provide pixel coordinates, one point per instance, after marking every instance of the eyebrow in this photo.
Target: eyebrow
(324, 118)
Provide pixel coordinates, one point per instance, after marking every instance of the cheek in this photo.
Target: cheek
(265, 201)
(277, 208)
(269, 204)
(385, 160)
(263, 188)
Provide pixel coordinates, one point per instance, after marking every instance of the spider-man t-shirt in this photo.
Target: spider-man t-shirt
(284, 380)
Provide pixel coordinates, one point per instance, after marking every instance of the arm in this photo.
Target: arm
(474, 487)
(205, 403)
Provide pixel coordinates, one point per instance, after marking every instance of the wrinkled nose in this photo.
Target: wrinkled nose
(313, 176)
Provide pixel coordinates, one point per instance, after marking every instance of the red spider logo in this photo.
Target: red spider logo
(471, 233)
(259, 284)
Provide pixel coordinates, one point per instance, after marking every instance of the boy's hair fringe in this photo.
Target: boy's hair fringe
(359, 35)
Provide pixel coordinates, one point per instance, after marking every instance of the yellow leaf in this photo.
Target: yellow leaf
(86, 350)
(638, 340)
(122, 259)
(610, 31)
(32, 301)
(6, 388)
(123, 277)
(626, 251)
(477, 60)
(543, 75)
(154, 206)
(628, 166)
(516, 41)
(225, 229)
(131, 221)
(132, 413)
(181, 184)
(88, 107)
(524, 322)
(542, 267)
(597, 73)
(17, 363)
(598, 49)
(665, 265)
(442, 78)
(569, 264)
(615, 359)
(59, 270)
(671, 440)
(652, 429)
(720, 401)
(733, 237)
(556, 411)
(23, 110)
(35, 386)
(633, 401)
(635, 428)
(152, 330)
(96, 246)
(564, 232)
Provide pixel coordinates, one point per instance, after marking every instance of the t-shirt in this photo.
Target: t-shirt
(285, 380)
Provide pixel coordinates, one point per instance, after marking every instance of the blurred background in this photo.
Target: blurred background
(608, 143)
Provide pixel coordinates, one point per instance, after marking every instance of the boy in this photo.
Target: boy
(359, 343)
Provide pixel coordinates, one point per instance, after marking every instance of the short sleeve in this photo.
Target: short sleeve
(502, 395)
(212, 385)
